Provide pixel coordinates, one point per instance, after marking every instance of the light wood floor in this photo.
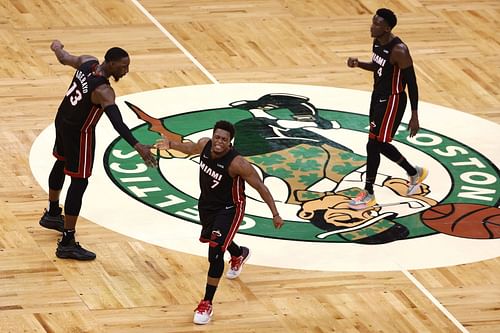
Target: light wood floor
(137, 287)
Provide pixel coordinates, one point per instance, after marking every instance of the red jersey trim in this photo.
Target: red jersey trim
(86, 142)
(397, 85)
(385, 133)
(239, 202)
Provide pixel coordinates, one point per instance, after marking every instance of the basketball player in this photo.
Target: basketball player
(88, 96)
(392, 68)
(221, 206)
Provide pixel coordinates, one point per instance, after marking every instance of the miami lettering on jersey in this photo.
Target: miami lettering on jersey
(378, 60)
(207, 170)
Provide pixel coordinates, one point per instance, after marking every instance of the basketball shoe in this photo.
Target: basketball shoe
(362, 201)
(203, 313)
(415, 181)
(237, 263)
(73, 250)
(52, 222)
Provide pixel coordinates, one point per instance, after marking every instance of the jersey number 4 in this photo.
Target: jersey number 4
(75, 95)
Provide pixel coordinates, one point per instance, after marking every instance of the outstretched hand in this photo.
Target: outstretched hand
(145, 152)
(162, 143)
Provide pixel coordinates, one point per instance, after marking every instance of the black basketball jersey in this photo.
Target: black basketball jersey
(218, 189)
(387, 79)
(77, 109)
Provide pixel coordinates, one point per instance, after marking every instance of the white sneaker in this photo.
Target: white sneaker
(203, 313)
(237, 263)
(415, 181)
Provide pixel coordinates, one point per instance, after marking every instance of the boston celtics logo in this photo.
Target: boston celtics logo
(308, 146)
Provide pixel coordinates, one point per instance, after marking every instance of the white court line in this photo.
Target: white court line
(176, 43)
(433, 299)
(214, 80)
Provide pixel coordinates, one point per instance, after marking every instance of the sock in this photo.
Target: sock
(54, 209)
(209, 292)
(68, 236)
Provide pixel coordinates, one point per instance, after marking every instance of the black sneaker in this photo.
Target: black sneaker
(73, 251)
(52, 222)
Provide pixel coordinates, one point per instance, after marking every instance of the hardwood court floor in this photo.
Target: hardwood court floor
(137, 287)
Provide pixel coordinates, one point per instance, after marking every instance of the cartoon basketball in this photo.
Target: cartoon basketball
(464, 220)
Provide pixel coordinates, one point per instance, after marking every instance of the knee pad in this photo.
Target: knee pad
(56, 177)
(216, 259)
(215, 253)
(74, 197)
(391, 152)
(373, 146)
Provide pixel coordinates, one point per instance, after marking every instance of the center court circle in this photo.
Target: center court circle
(125, 186)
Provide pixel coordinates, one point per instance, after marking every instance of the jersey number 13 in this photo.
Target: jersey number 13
(75, 95)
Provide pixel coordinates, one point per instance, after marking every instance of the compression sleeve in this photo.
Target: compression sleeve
(116, 119)
(411, 80)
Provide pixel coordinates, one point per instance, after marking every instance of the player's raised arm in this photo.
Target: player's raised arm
(186, 147)
(104, 95)
(66, 58)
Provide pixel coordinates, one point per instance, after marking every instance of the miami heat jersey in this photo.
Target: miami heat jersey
(387, 79)
(77, 109)
(218, 189)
